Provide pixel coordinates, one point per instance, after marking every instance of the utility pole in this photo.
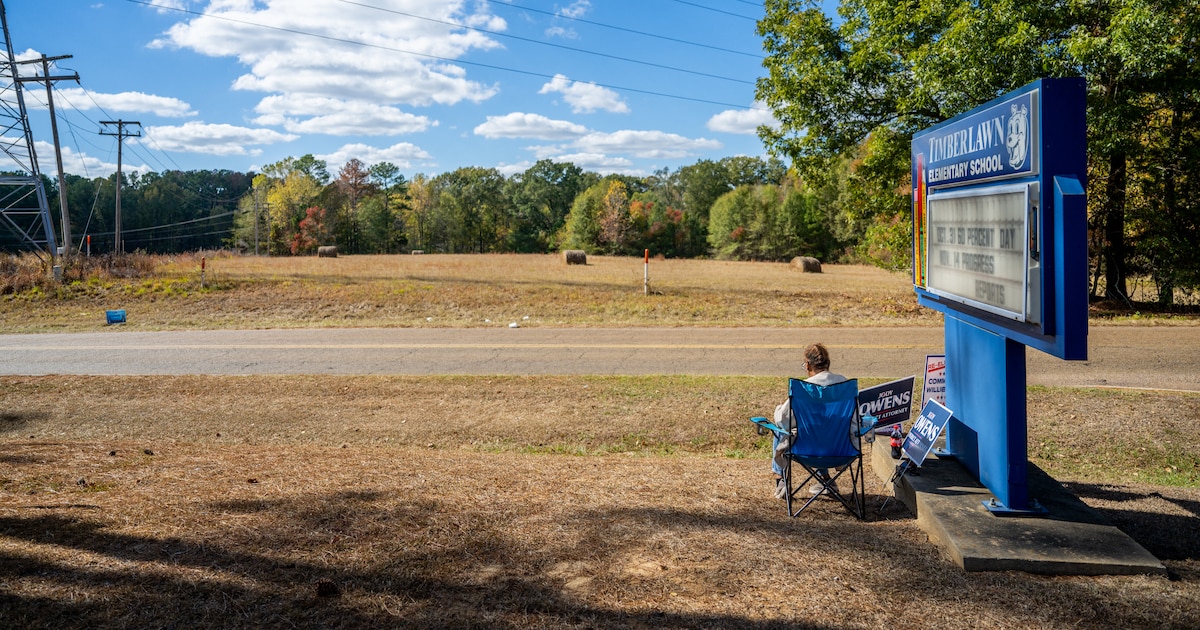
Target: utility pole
(62, 179)
(121, 134)
(256, 223)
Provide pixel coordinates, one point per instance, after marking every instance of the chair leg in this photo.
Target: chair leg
(793, 489)
(855, 503)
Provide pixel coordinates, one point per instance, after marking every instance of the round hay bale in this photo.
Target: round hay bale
(807, 264)
(327, 251)
(575, 257)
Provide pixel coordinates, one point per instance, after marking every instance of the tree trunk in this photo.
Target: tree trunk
(1165, 271)
(1114, 229)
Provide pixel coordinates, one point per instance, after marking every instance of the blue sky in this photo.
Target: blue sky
(429, 85)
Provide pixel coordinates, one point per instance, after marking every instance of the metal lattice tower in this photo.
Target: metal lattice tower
(24, 213)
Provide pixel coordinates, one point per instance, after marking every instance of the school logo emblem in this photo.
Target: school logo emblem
(1018, 136)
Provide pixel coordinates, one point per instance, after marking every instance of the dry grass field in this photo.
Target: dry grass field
(466, 291)
(515, 502)
(165, 292)
(518, 502)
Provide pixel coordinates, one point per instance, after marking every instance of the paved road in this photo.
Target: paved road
(1158, 357)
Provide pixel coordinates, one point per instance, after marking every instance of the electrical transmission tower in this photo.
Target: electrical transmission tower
(24, 211)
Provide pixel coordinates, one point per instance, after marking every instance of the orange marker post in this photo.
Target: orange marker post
(646, 273)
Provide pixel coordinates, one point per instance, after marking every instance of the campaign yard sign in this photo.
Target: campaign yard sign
(935, 379)
(926, 430)
(890, 403)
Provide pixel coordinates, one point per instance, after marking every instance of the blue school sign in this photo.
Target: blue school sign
(1000, 247)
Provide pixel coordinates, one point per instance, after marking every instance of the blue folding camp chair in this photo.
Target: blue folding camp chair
(825, 445)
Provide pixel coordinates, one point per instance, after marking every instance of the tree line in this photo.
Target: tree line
(744, 208)
(854, 92)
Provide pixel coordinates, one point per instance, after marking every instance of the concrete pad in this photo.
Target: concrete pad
(1073, 539)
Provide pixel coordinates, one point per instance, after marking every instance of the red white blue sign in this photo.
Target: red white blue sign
(935, 379)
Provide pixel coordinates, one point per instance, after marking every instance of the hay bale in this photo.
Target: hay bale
(574, 257)
(807, 264)
(327, 251)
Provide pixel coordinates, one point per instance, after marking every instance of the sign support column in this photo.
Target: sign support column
(985, 386)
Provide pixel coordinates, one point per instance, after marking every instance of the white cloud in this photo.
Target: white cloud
(603, 164)
(124, 102)
(605, 152)
(585, 97)
(520, 125)
(338, 117)
(404, 155)
(165, 6)
(743, 121)
(80, 164)
(213, 139)
(508, 170)
(565, 33)
(645, 144)
(355, 54)
(81, 100)
(577, 9)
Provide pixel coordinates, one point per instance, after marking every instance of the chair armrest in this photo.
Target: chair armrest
(768, 425)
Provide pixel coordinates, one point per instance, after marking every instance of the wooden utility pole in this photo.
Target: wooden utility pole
(62, 180)
(121, 134)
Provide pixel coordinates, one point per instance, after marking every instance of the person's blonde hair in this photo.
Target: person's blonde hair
(817, 357)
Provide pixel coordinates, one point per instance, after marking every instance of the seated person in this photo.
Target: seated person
(816, 363)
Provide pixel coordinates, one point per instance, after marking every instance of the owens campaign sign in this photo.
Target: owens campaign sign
(925, 431)
(890, 402)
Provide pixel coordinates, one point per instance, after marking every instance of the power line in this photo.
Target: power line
(714, 10)
(180, 236)
(551, 44)
(162, 166)
(436, 57)
(512, 5)
(188, 222)
(149, 137)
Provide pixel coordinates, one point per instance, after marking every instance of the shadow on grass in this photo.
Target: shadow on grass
(12, 421)
(1167, 536)
(266, 592)
(421, 564)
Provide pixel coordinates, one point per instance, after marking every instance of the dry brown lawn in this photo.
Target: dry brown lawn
(471, 290)
(523, 502)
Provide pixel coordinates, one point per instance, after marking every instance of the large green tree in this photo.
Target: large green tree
(542, 197)
(887, 69)
(475, 209)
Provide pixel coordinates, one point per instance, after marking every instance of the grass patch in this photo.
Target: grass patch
(164, 292)
(1111, 436)
(1116, 436)
(532, 502)
(461, 291)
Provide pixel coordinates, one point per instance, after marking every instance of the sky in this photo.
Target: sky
(613, 86)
